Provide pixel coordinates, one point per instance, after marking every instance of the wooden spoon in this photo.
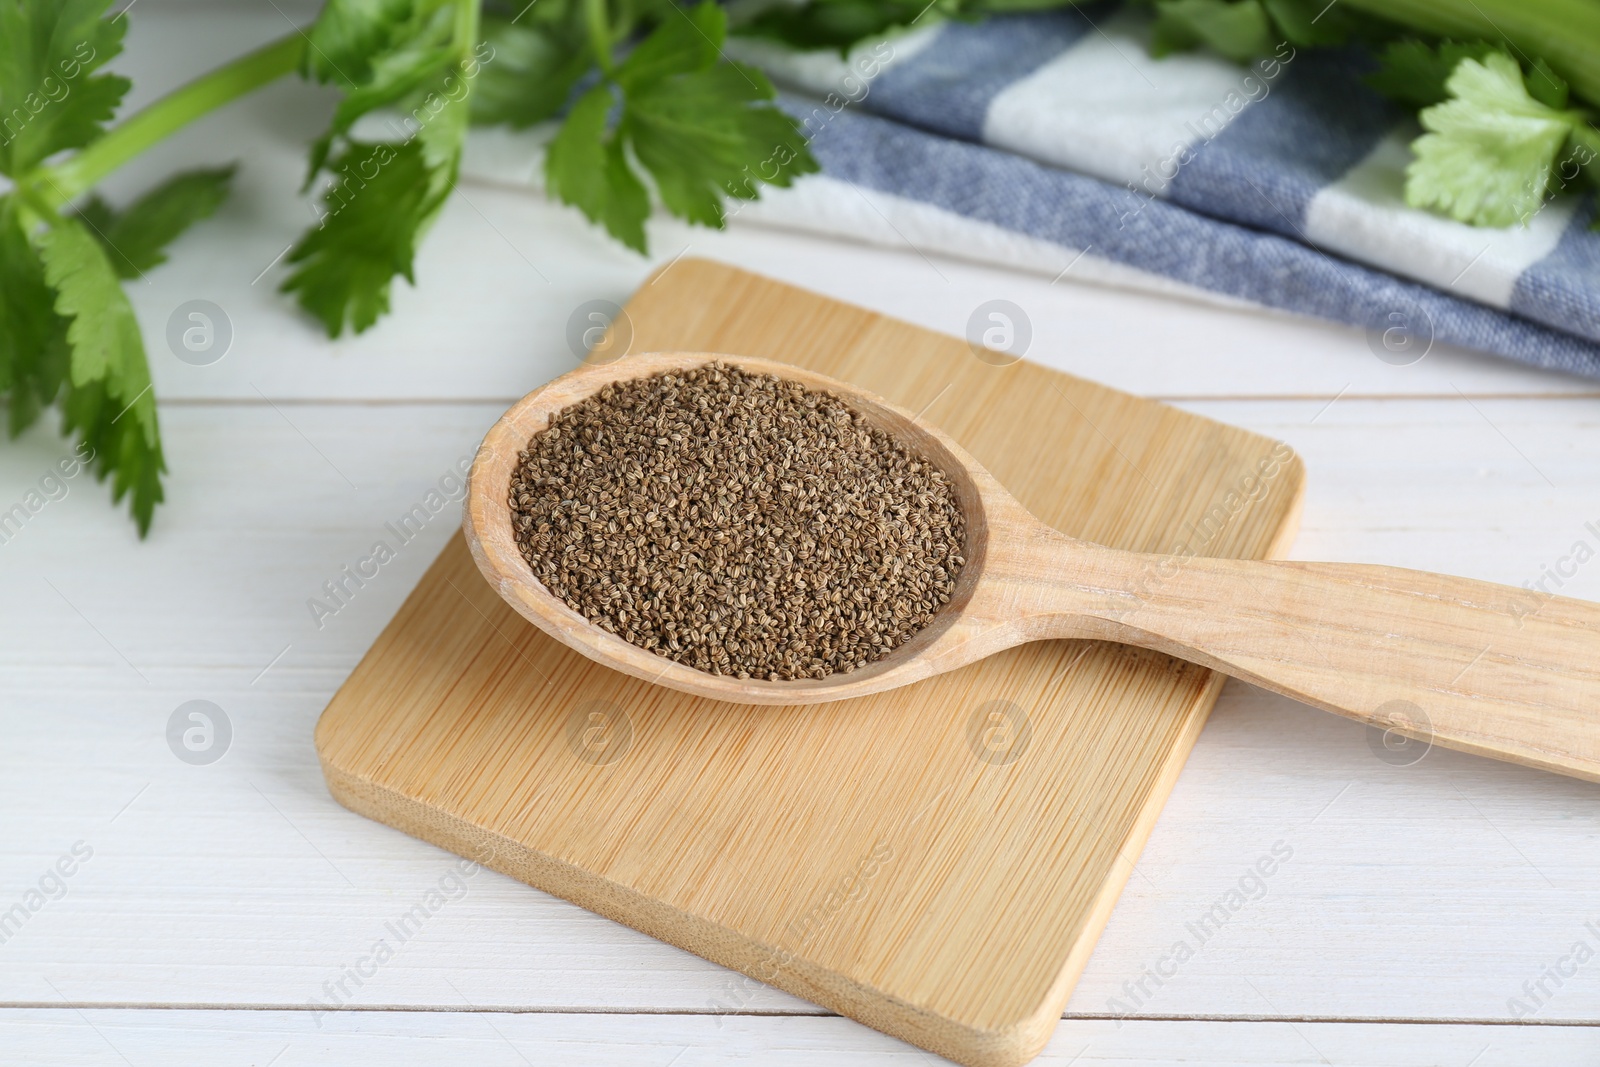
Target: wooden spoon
(1484, 668)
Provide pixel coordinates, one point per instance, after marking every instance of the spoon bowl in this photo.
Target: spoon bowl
(1479, 667)
(487, 524)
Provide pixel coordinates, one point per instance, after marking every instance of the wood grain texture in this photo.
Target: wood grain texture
(1417, 892)
(1488, 669)
(893, 858)
(1422, 892)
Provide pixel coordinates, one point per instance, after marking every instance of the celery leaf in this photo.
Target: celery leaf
(1237, 29)
(1488, 154)
(702, 127)
(107, 386)
(585, 167)
(384, 194)
(376, 212)
(33, 338)
(839, 24)
(1414, 73)
(136, 237)
(532, 74)
(51, 97)
(349, 34)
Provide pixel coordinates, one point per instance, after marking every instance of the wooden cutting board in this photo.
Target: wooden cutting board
(936, 862)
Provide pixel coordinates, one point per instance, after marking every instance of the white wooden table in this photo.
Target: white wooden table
(216, 901)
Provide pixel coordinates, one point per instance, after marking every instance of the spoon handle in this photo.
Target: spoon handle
(1509, 673)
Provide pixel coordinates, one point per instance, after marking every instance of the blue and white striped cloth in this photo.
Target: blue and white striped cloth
(1043, 140)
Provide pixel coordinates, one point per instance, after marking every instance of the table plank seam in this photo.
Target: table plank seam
(777, 1013)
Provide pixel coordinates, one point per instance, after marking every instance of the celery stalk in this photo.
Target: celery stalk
(1564, 33)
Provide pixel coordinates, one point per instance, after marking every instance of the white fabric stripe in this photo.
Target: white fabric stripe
(1105, 108)
(824, 71)
(1364, 216)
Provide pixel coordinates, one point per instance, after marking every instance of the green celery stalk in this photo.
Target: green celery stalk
(60, 184)
(1564, 33)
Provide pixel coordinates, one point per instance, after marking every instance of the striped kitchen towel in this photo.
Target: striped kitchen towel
(1054, 142)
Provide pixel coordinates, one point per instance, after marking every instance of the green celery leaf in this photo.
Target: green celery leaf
(98, 215)
(105, 338)
(1415, 73)
(687, 40)
(108, 399)
(349, 34)
(1310, 23)
(1546, 86)
(119, 445)
(1488, 155)
(414, 61)
(50, 96)
(439, 125)
(385, 194)
(585, 167)
(703, 127)
(700, 138)
(33, 338)
(412, 67)
(1237, 29)
(377, 209)
(987, 7)
(136, 237)
(839, 24)
(1583, 152)
(531, 75)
